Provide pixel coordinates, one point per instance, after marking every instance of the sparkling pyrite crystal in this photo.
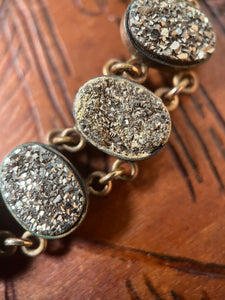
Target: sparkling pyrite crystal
(42, 190)
(168, 33)
(121, 117)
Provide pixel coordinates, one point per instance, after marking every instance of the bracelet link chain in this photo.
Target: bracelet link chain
(183, 83)
(66, 139)
(30, 245)
(133, 69)
(104, 180)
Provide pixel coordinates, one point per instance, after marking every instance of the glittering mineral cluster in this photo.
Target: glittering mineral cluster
(171, 29)
(121, 117)
(41, 190)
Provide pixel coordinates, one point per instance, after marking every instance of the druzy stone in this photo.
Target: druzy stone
(42, 190)
(171, 32)
(121, 118)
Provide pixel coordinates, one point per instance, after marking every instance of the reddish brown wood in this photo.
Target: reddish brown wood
(159, 237)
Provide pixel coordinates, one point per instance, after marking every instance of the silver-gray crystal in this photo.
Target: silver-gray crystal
(121, 117)
(172, 29)
(42, 191)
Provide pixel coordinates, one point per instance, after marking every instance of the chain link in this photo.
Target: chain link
(9, 244)
(132, 69)
(6, 250)
(183, 83)
(66, 139)
(104, 180)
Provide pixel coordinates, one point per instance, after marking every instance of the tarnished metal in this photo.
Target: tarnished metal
(133, 69)
(32, 250)
(183, 83)
(106, 186)
(111, 175)
(188, 80)
(19, 242)
(66, 139)
(126, 175)
(6, 250)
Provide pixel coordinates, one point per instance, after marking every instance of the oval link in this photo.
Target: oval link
(192, 78)
(132, 69)
(6, 250)
(111, 175)
(78, 145)
(172, 102)
(66, 139)
(12, 241)
(106, 186)
(183, 83)
(125, 177)
(177, 89)
(29, 250)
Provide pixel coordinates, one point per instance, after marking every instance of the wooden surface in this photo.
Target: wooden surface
(160, 237)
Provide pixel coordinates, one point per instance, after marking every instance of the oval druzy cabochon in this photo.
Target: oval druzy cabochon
(42, 190)
(121, 118)
(171, 33)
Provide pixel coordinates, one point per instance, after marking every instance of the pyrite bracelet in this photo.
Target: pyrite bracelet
(116, 114)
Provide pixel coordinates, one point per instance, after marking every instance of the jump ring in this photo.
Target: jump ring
(125, 177)
(193, 81)
(173, 103)
(28, 250)
(106, 188)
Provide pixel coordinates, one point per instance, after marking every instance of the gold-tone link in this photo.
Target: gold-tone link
(13, 241)
(192, 78)
(110, 176)
(119, 68)
(6, 250)
(125, 176)
(60, 140)
(66, 139)
(177, 89)
(132, 69)
(52, 134)
(79, 145)
(106, 187)
(29, 250)
(183, 82)
(171, 103)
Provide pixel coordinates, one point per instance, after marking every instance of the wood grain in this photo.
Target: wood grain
(160, 237)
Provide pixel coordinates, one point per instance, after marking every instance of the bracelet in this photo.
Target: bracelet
(116, 114)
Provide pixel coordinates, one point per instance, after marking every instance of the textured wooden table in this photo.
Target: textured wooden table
(160, 237)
